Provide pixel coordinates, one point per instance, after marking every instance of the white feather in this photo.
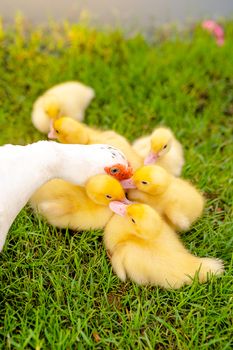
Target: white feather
(26, 168)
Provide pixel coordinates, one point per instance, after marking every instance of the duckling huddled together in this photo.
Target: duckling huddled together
(140, 212)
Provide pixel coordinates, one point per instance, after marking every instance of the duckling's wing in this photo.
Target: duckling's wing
(142, 146)
(117, 261)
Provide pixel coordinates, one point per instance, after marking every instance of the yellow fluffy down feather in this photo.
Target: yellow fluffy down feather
(69, 98)
(65, 205)
(147, 251)
(177, 199)
(162, 148)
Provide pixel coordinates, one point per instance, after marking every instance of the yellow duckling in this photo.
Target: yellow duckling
(67, 130)
(146, 250)
(69, 98)
(177, 199)
(79, 208)
(162, 148)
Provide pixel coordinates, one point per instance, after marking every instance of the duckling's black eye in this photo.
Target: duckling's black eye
(114, 170)
(165, 146)
(144, 182)
(108, 196)
(133, 221)
(56, 131)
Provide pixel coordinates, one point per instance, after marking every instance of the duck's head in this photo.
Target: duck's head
(161, 141)
(77, 163)
(68, 130)
(145, 220)
(113, 161)
(151, 179)
(109, 160)
(51, 106)
(103, 189)
(119, 171)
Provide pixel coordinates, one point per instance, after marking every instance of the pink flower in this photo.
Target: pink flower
(209, 25)
(215, 29)
(220, 41)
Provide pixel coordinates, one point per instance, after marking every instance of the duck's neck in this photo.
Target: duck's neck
(76, 162)
(23, 170)
(26, 168)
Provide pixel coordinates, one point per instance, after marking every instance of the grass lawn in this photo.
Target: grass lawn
(57, 289)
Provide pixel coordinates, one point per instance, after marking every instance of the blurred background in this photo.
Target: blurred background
(125, 13)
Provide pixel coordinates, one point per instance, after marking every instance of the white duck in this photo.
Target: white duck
(25, 168)
(70, 98)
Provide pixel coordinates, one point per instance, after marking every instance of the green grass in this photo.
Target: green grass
(57, 289)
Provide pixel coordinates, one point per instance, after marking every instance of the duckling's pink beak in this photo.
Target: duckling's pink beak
(129, 183)
(52, 133)
(118, 208)
(151, 158)
(126, 201)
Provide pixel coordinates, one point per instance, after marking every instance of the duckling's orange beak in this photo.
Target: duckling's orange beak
(119, 171)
